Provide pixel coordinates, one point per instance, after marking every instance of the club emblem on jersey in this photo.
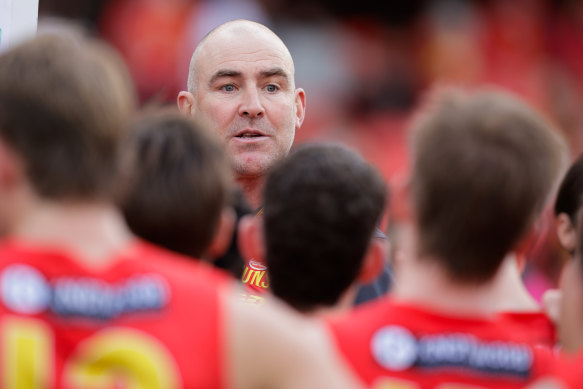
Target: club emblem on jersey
(257, 266)
(394, 348)
(24, 289)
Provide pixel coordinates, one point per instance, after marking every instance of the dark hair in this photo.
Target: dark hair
(569, 196)
(63, 107)
(483, 167)
(321, 207)
(174, 182)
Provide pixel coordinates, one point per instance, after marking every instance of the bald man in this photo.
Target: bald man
(241, 83)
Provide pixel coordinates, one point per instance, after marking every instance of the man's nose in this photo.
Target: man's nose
(251, 105)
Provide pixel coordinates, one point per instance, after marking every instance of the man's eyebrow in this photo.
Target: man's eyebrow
(224, 73)
(277, 71)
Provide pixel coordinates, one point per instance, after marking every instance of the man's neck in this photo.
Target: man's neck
(93, 232)
(253, 189)
(344, 304)
(424, 282)
(511, 291)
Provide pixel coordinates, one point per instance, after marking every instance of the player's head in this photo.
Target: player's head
(64, 105)
(241, 83)
(322, 205)
(175, 182)
(568, 204)
(483, 167)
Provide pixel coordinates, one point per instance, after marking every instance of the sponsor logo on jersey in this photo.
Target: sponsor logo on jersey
(396, 348)
(25, 290)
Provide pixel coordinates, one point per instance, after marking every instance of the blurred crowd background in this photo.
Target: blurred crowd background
(365, 65)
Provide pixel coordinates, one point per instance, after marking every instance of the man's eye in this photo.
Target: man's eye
(228, 88)
(271, 88)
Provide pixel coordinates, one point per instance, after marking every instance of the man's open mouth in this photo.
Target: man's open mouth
(248, 135)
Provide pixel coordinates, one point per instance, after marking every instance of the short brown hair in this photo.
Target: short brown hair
(175, 180)
(483, 167)
(63, 107)
(322, 205)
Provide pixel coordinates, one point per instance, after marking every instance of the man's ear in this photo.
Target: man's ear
(251, 239)
(300, 107)
(223, 234)
(185, 102)
(566, 232)
(374, 260)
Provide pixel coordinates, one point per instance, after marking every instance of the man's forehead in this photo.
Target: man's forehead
(240, 46)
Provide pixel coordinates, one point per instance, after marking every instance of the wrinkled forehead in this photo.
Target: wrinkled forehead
(240, 49)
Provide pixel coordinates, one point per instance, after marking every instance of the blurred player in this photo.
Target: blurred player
(570, 312)
(318, 231)
(567, 209)
(241, 84)
(173, 176)
(82, 302)
(483, 167)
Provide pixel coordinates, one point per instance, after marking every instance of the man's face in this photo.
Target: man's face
(245, 92)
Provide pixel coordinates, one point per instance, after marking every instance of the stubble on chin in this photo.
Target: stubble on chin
(251, 166)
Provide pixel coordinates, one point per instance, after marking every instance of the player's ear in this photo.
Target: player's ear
(251, 239)
(566, 232)
(223, 233)
(374, 260)
(185, 102)
(300, 107)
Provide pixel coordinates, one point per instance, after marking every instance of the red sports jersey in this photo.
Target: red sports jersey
(569, 371)
(536, 327)
(148, 319)
(394, 345)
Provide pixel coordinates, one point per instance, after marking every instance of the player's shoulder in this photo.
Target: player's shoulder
(138, 257)
(396, 340)
(308, 360)
(567, 371)
(534, 326)
(173, 266)
(387, 311)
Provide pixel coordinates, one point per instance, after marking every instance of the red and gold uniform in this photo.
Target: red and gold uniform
(394, 345)
(147, 318)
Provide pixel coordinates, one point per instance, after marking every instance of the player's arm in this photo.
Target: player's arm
(271, 347)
